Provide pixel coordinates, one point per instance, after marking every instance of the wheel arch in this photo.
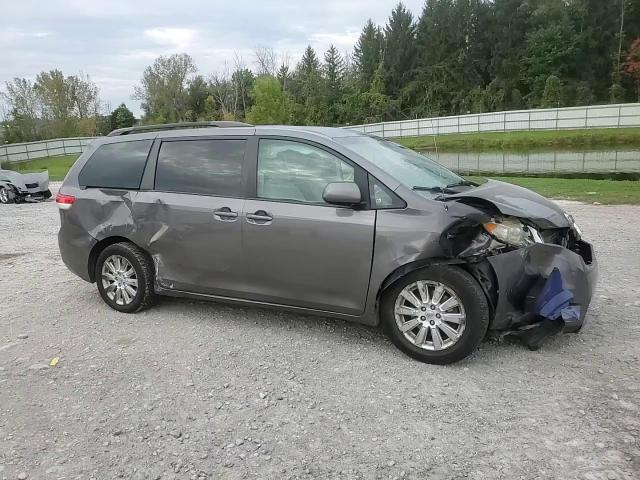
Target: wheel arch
(99, 247)
(482, 272)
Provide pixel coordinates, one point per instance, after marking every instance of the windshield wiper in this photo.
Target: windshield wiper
(462, 183)
(432, 189)
(447, 188)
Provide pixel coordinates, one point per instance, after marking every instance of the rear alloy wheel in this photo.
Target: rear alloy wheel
(6, 196)
(437, 315)
(119, 280)
(124, 275)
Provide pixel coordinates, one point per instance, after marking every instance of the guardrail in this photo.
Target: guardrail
(598, 116)
(23, 152)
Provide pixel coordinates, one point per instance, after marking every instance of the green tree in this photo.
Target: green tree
(308, 91)
(399, 50)
(163, 88)
(121, 117)
(334, 77)
(584, 94)
(211, 111)
(438, 86)
(367, 54)
(373, 105)
(270, 104)
(551, 95)
(197, 93)
(507, 31)
(69, 104)
(284, 76)
(550, 48)
(242, 80)
(25, 107)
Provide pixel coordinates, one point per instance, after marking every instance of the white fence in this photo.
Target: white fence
(22, 152)
(599, 116)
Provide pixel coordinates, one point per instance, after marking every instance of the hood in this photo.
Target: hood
(20, 179)
(518, 202)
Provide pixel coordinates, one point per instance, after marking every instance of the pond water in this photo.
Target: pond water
(540, 162)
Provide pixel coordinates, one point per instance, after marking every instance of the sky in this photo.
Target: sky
(113, 41)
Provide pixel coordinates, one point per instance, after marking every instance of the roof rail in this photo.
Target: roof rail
(175, 126)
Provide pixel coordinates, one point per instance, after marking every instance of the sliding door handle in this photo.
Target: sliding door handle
(260, 217)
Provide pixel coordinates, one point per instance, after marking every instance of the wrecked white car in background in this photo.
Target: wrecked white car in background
(18, 187)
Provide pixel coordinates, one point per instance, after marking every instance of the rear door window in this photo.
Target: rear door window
(209, 167)
(116, 165)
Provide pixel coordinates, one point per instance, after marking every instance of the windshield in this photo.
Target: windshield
(408, 167)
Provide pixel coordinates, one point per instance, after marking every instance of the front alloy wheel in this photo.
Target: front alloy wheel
(438, 314)
(5, 196)
(430, 315)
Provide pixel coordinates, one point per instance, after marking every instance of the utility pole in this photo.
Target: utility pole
(622, 12)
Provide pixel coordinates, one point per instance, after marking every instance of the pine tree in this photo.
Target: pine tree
(334, 77)
(440, 42)
(550, 48)
(507, 36)
(308, 91)
(399, 50)
(284, 75)
(367, 54)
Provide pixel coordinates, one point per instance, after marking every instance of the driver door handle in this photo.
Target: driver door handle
(259, 218)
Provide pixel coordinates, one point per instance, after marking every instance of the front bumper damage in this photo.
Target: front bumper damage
(543, 289)
(32, 196)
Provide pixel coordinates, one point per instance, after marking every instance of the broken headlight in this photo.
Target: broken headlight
(574, 226)
(513, 232)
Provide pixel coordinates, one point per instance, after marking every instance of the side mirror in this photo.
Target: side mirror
(342, 193)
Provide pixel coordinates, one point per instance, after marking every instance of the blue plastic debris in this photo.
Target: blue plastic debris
(571, 314)
(554, 299)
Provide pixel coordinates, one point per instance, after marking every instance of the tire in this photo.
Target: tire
(462, 302)
(6, 196)
(142, 266)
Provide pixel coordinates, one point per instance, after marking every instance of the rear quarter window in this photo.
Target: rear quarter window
(116, 165)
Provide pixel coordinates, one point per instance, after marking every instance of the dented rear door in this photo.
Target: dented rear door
(191, 217)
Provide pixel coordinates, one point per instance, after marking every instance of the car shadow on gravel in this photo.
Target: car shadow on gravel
(272, 323)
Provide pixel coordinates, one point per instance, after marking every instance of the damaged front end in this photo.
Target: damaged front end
(539, 276)
(24, 187)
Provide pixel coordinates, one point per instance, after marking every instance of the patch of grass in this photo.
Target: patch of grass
(606, 192)
(587, 139)
(57, 166)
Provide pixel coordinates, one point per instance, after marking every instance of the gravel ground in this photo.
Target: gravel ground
(203, 390)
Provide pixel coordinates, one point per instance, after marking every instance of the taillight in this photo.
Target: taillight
(65, 201)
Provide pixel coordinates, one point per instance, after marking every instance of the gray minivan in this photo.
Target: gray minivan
(323, 221)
